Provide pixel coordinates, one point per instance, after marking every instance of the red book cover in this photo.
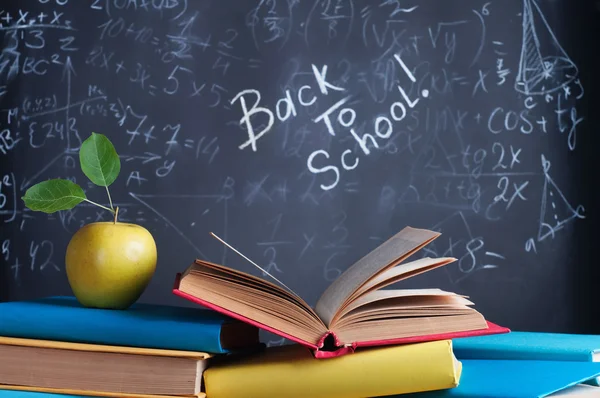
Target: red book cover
(319, 349)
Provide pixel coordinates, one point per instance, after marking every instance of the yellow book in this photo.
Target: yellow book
(99, 370)
(292, 372)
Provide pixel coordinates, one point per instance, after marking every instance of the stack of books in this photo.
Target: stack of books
(513, 365)
(54, 345)
(360, 340)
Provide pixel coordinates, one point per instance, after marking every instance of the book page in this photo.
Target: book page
(393, 313)
(398, 328)
(387, 255)
(79, 370)
(253, 298)
(401, 272)
(242, 278)
(403, 298)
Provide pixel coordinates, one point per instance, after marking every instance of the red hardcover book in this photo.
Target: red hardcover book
(354, 311)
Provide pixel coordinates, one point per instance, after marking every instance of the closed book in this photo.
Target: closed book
(92, 369)
(141, 325)
(354, 311)
(531, 345)
(504, 378)
(291, 371)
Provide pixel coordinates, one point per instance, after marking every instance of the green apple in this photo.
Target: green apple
(110, 264)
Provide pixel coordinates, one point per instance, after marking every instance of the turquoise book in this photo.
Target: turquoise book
(504, 378)
(142, 325)
(531, 345)
(34, 394)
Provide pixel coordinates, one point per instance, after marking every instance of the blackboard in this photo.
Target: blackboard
(306, 132)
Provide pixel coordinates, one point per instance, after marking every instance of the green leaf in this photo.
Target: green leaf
(53, 195)
(99, 160)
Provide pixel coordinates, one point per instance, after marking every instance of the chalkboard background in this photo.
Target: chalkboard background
(307, 132)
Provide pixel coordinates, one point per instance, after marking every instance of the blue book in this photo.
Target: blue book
(531, 345)
(34, 394)
(142, 325)
(483, 378)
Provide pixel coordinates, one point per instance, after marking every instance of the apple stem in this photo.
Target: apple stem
(116, 214)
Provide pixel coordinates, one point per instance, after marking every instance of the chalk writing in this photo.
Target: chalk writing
(344, 115)
(304, 133)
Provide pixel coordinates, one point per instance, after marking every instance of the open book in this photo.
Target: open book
(353, 311)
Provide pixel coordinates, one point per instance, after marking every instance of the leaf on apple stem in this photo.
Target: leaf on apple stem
(53, 195)
(99, 160)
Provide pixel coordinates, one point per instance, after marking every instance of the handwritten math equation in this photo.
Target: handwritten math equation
(303, 132)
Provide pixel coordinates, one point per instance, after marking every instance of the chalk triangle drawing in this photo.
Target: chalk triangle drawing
(556, 211)
(544, 66)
